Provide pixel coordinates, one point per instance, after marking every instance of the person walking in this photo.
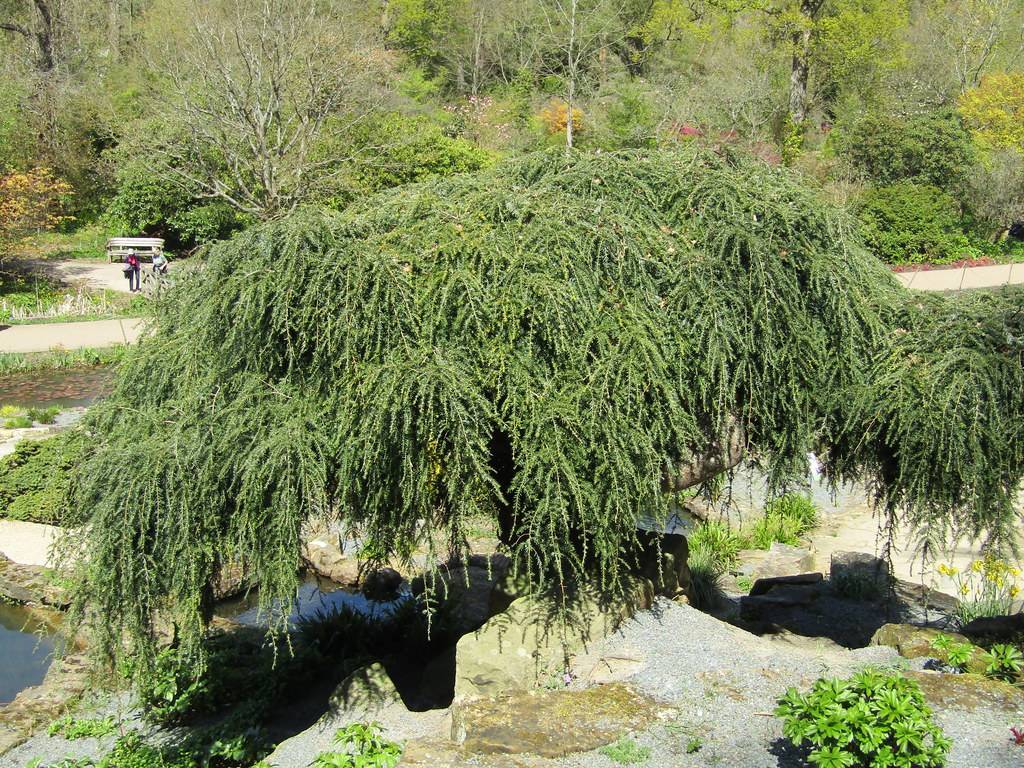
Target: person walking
(133, 276)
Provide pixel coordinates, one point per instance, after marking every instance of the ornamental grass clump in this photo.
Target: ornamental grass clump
(551, 344)
(872, 720)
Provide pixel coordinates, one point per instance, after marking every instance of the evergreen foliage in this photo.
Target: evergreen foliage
(542, 342)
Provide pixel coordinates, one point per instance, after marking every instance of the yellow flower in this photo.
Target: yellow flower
(977, 566)
(963, 589)
(1014, 590)
(944, 569)
(1015, 571)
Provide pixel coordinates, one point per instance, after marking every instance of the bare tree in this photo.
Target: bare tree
(253, 85)
(580, 29)
(37, 22)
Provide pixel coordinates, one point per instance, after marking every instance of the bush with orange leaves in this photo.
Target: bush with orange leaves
(555, 117)
(30, 201)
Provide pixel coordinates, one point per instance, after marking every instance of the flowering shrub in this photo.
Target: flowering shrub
(555, 117)
(988, 587)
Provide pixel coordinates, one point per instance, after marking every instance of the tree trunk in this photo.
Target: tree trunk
(799, 77)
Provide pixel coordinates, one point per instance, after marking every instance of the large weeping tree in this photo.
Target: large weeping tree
(553, 343)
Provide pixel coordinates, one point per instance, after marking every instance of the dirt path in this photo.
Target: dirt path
(84, 335)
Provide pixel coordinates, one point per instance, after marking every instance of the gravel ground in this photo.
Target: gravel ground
(723, 681)
(718, 684)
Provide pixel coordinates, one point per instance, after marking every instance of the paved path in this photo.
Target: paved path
(963, 277)
(49, 336)
(88, 273)
(27, 543)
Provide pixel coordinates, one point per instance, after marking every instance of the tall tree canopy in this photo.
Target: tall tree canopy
(551, 342)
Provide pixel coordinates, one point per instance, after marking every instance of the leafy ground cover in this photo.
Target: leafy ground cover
(34, 480)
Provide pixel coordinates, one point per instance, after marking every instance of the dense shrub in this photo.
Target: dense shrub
(148, 204)
(930, 148)
(786, 519)
(872, 719)
(34, 480)
(393, 150)
(908, 223)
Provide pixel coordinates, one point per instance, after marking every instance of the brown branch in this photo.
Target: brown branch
(720, 456)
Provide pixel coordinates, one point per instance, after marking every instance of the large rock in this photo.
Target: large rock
(995, 628)
(537, 637)
(36, 707)
(914, 642)
(365, 692)
(663, 561)
(550, 723)
(31, 585)
(324, 553)
(382, 584)
(970, 692)
(469, 587)
(859, 574)
(779, 560)
(766, 585)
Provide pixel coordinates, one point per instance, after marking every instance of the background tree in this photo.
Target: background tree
(247, 87)
(29, 203)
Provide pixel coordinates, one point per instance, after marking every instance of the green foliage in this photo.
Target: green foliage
(929, 148)
(786, 519)
(1003, 662)
(957, 655)
(694, 745)
(908, 223)
(713, 550)
(536, 343)
(17, 362)
(392, 150)
(35, 479)
(625, 751)
(630, 120)
(17, 422)
(146, 203)
(361, 745)
(44, 415)
(870, 719)
(82, 727)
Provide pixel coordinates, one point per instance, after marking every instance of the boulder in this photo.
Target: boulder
(550, 723)
(767, 606)
(663, 560)
(382, 584)
(779, 560)
(538, 636)
(995, 628)
(365, 691)
(914, 642)
(468, 586)
(233, 580)
(859, 574)
(766, 585)
(919, 604)
(323, 552)
(31, 585)
(969, 692)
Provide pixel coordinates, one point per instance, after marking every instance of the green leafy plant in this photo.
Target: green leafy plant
(956, 654)
(871, 719)
(44, 415)
(745, 583)
(17, 422)
(82, 727)
(787, 520)
(626, 751)
(1003, 662)
(694, 745)
(361, 745)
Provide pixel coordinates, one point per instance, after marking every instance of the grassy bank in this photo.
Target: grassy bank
(17, 362)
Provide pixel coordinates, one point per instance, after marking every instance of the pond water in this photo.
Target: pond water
(26, 647)
(314, 594)
(69, 388)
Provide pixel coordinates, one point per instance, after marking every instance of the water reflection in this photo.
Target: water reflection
(26, 649)
(65, 388)
(314, 594)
